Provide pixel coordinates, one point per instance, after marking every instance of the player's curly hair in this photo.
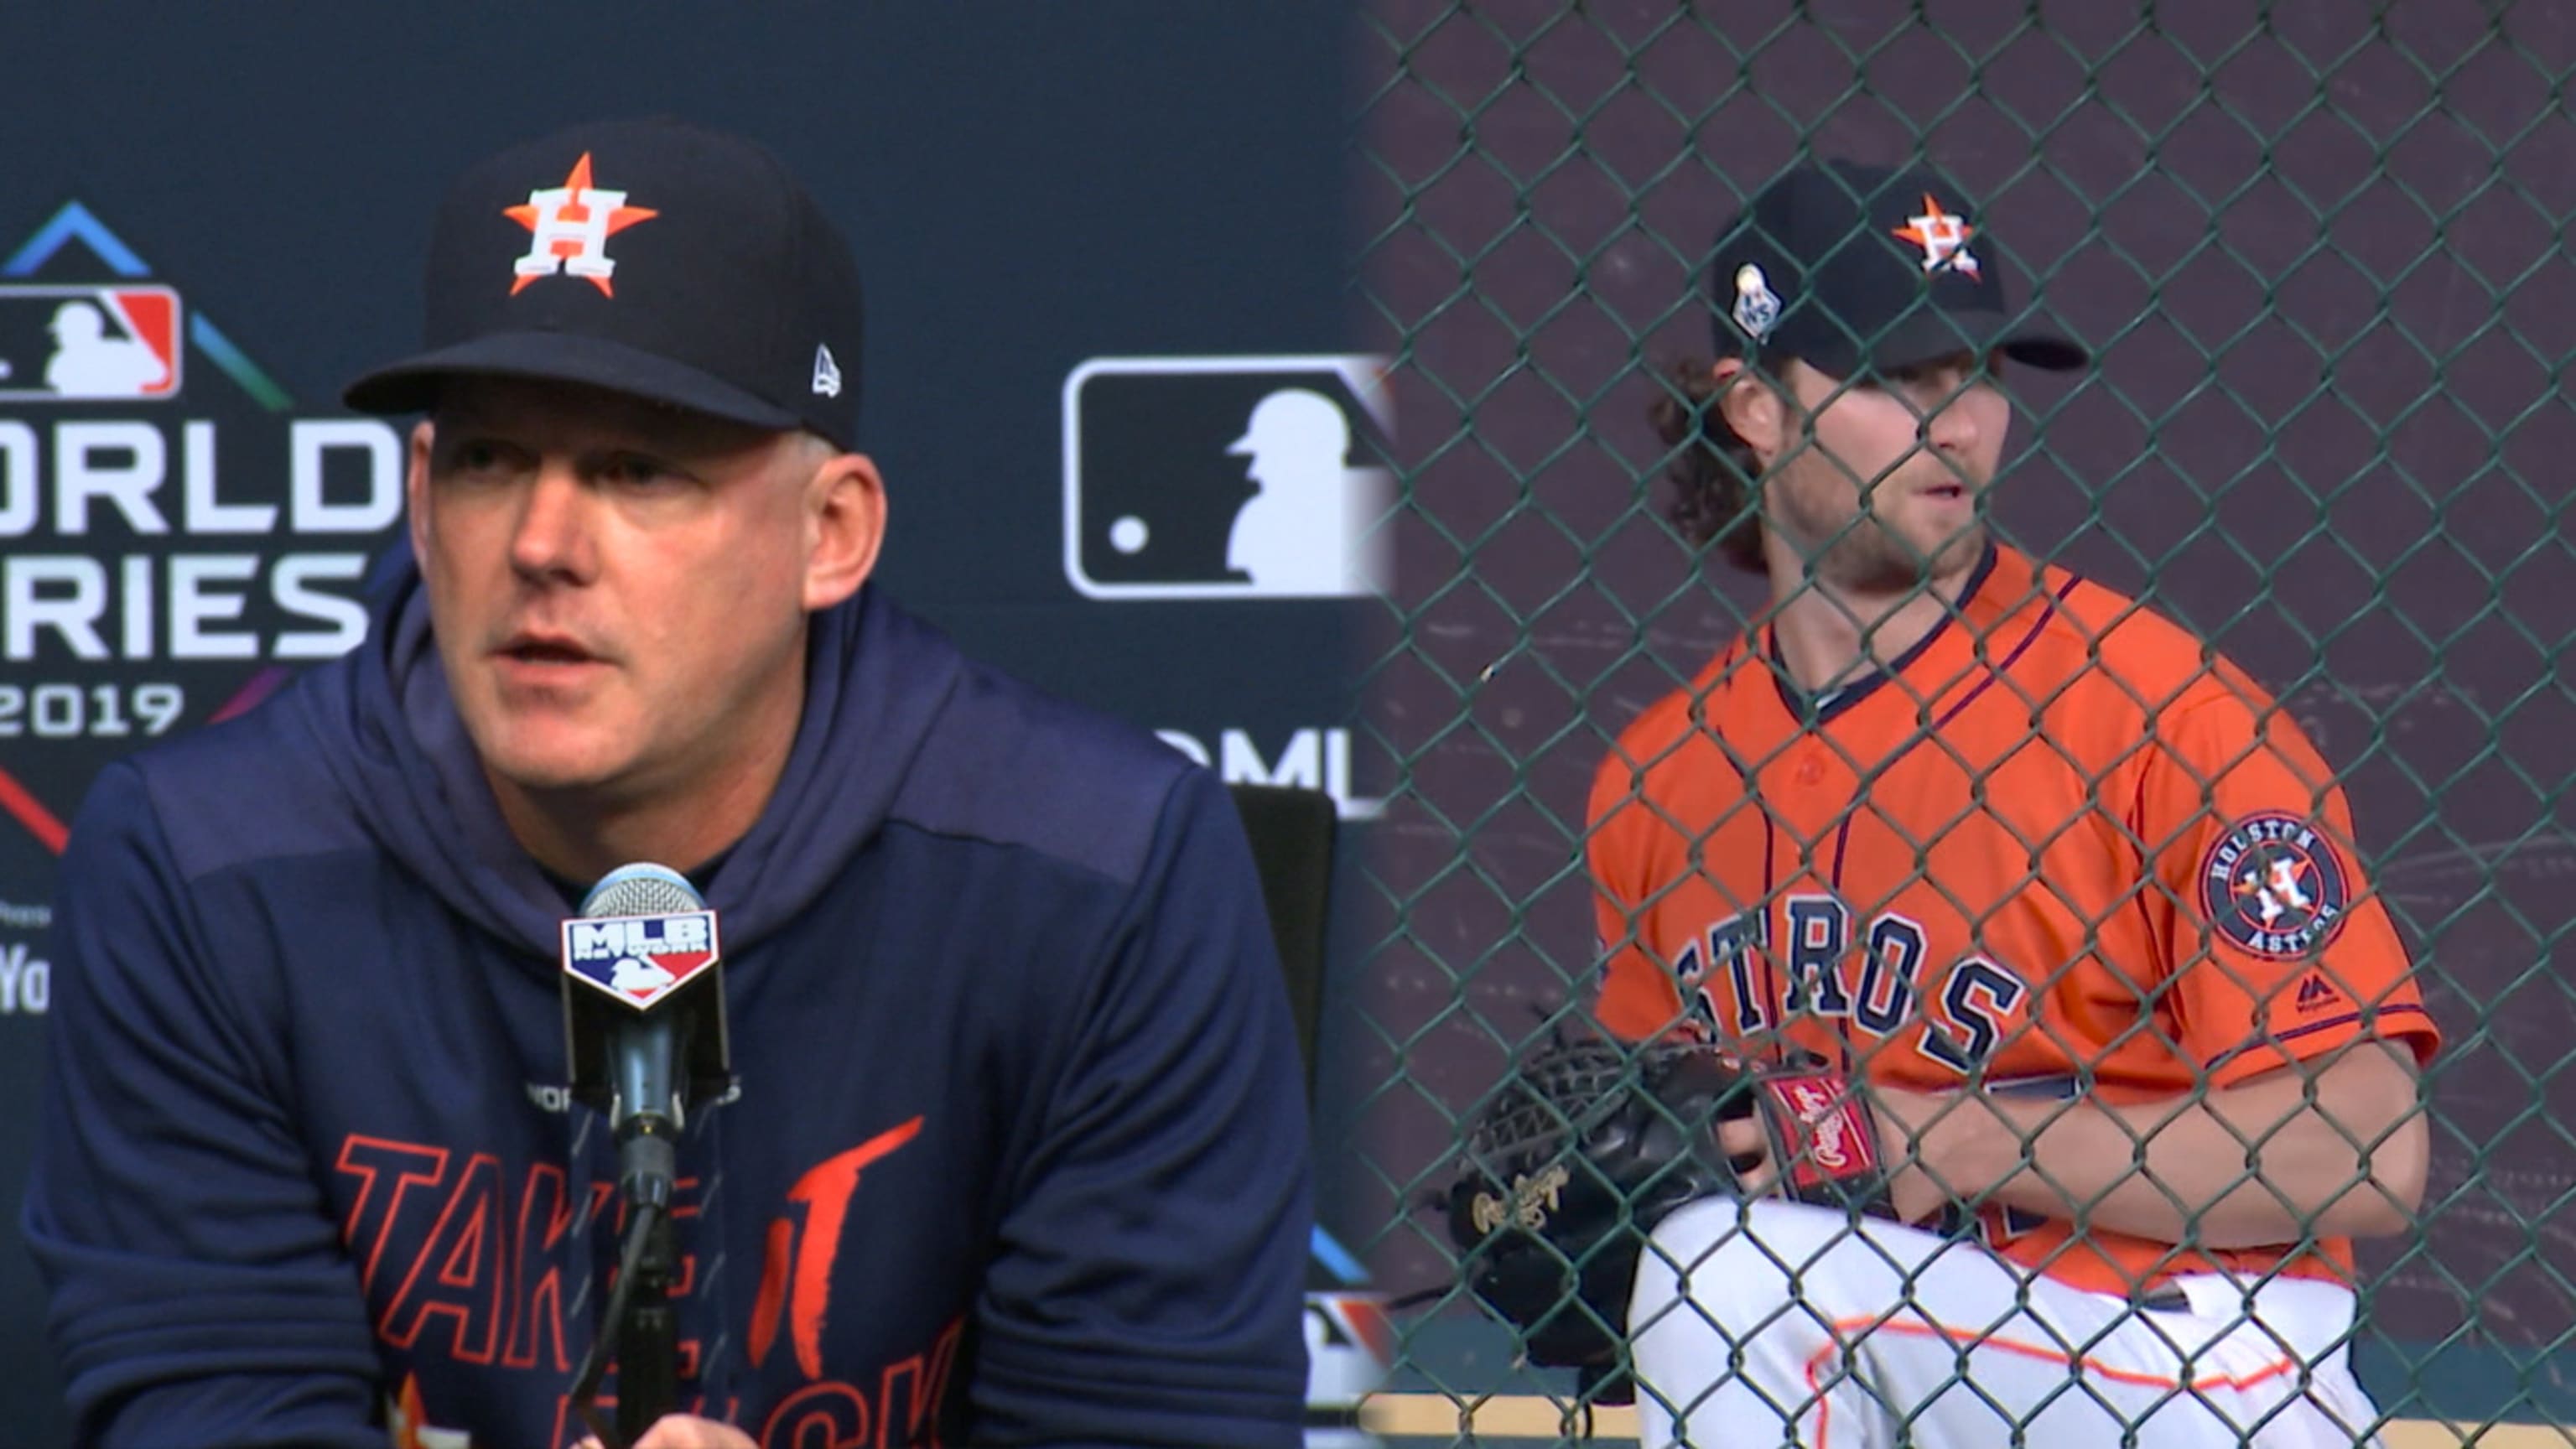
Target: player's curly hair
(1713, 472)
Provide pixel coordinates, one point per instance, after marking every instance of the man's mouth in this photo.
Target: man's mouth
(546, 649)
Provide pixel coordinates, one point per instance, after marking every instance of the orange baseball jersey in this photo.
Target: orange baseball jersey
(2058, 837)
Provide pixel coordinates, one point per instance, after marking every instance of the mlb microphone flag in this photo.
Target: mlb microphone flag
(638, 960)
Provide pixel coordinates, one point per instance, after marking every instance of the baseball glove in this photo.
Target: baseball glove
(1590, 1144)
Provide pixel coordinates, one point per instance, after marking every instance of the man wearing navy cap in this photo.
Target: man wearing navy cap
(2067, 904)
(1018, 1148)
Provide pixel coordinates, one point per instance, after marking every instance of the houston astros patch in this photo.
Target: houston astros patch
(2274, 886)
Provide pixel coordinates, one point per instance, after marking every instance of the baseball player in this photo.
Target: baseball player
(2069, 898)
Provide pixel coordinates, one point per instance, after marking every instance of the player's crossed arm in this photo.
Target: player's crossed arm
(2332, 1146)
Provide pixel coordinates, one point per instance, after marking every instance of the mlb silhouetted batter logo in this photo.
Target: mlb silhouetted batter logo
(2273, 886)
(89, 343)
(1304, 531)
(89, 361)
(1226, 477)
(638, 977)
(569, 227)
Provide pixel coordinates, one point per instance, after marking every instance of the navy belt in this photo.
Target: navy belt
(2168, 1299)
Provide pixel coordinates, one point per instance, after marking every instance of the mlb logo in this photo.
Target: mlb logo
(94, 343)
(1227, 477)
(639, 959)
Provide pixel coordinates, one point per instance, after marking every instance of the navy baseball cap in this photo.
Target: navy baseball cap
(648, 257)
(1846, 266)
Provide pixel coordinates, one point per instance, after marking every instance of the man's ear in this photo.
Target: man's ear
(845, 523)
(416, 489)
(1752, 407)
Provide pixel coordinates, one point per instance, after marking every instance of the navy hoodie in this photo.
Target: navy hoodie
(1018, 1156)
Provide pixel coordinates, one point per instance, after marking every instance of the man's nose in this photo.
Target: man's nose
(553, 534)
(1952, 426)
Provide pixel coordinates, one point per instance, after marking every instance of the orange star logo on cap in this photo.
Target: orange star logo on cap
(569, 228)
(1943, 237)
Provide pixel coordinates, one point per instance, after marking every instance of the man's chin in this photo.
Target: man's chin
(1888, 563)
(547, 766)
(1955, 557)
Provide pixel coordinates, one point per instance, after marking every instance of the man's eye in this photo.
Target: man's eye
(474, 458)
(638, 472)
(1942, 380)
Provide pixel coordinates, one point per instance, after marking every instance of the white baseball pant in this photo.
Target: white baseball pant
(1770, 1322)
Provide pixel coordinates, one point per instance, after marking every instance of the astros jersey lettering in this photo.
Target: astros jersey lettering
(2057, 837)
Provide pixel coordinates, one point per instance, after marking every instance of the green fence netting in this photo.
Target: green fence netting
(2320, 250)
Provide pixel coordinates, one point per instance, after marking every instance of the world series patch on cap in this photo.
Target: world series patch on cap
(648, 257)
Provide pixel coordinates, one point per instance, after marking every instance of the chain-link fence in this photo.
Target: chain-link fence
(2319, 249)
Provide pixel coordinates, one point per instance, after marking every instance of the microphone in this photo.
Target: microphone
(644, 1020)
(644, 1026)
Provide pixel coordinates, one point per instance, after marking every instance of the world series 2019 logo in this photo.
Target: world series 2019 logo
(1227, 477)
(173, 536)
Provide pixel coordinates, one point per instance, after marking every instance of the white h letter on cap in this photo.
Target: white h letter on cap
(589, 234)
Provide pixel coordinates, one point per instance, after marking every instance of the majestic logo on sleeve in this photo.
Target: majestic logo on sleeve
(569, 228)
(1943, 236)
(2275, 887)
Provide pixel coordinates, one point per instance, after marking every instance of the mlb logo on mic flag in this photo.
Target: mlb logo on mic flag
(640, 959)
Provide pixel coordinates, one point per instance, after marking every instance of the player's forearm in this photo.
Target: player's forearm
(2342, 1154)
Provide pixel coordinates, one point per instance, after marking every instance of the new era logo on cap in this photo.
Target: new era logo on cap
(650, 258)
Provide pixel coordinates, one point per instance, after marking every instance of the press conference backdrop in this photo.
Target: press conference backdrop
(1108, 340)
